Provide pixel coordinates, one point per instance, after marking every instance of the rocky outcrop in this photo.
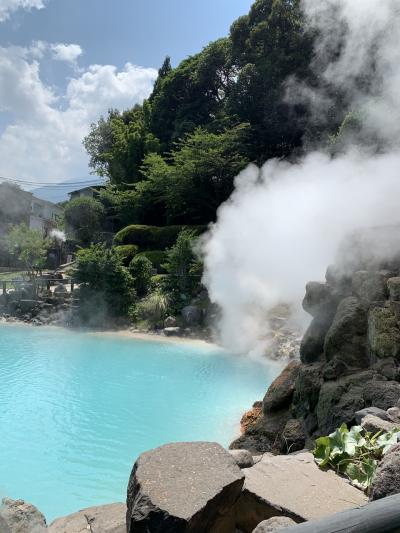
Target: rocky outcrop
(184, 487)
(17, 516)
(101, 519)
(350, 354)
(292, 486)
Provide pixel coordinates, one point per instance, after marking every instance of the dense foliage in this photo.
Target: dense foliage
(354, 452)
(85, 216)
(106, 285)
(173, 159)
(29, 247)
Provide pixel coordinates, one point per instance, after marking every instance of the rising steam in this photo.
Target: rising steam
(284, 222)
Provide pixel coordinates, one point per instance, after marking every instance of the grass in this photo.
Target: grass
(9, 276)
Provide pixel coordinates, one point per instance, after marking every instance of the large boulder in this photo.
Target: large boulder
(293, 436)
(293, 486)
(394, 289)
(280, 392)
(383, 333)
(17, 516)
(184, 487)
(374, 424)
(312, 343)
(101, 519)
(387, 477)
(381, 393)
(318, 300)
(192, 315)
(307, 387)
(346, 338)
(370, 287)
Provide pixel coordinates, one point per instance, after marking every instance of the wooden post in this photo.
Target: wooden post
(72, 286)
(4, 287)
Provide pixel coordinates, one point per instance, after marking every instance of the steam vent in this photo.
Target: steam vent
(350, 354)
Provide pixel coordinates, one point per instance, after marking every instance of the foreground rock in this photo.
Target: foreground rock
(17, 516)
(295, 487)
(184, 487)
(387, 478)
(274, 524)
(101, 519)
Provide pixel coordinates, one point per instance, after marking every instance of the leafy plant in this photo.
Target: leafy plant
(354, 452)
(153, 308)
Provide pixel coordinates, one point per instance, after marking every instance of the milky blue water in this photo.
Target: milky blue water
(76, 409)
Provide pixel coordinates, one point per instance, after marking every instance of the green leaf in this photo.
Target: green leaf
(322, 451)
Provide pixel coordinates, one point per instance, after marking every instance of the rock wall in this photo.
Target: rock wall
(349, 355)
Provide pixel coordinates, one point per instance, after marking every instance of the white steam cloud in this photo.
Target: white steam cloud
(58, 235)
(283, 224)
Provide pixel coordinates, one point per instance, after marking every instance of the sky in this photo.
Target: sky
(64, 63)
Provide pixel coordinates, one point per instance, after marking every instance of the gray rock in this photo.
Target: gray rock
(394, 289)
(293, 436)
(17, 516)
(373, 424)
(192, 315)
(383, 333)
(318, 300)
(170, 322)
(394, 414)
(381, 393)
(281, 390)
(184, 487)
(312, 343)
(101, 519)
(294, 486)
(387, 477)
(369, 286)
(307, 387)
(346, 338)
(243, 458)
(60, 289)
(276, 523)
(374, 411)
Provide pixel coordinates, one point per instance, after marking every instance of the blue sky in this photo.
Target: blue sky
(65, 62)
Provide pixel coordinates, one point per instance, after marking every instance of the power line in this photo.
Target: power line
(55, 185)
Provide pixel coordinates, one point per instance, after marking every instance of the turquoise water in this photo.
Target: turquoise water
(76, 409)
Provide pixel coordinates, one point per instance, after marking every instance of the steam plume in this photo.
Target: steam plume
(284, 222)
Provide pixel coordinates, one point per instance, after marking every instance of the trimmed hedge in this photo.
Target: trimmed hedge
(152, 237)
(127, 252)
(156, 257)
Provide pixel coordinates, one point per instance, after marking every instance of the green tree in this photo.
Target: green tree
(106, 285)
(29, 247)
(180, 260)
(85, 216)
(141, 270)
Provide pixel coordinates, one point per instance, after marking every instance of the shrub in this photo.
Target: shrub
(354, 452)
(152, 237)
(156, 257)
(181, 260)
(127, 252)
(103, 278)
(141, 270)
(153, 308)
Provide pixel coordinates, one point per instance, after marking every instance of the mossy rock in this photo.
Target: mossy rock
(383, 333)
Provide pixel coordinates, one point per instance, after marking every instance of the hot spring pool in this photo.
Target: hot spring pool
(76, 409)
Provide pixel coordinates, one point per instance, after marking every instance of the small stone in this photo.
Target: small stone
(172, 332)
(274, 524)
(170, 322)
(17, 516)
(374, 411)
(243, 458)
(373, 424)
(394, 414)
(293, 437)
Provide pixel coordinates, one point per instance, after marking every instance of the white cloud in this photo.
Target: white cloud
(44, 140)
(7, 7)
(66, 52)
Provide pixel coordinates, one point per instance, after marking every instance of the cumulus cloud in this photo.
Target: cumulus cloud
(7, 7)
(44, 138)
(284, 223)
(66, 52)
